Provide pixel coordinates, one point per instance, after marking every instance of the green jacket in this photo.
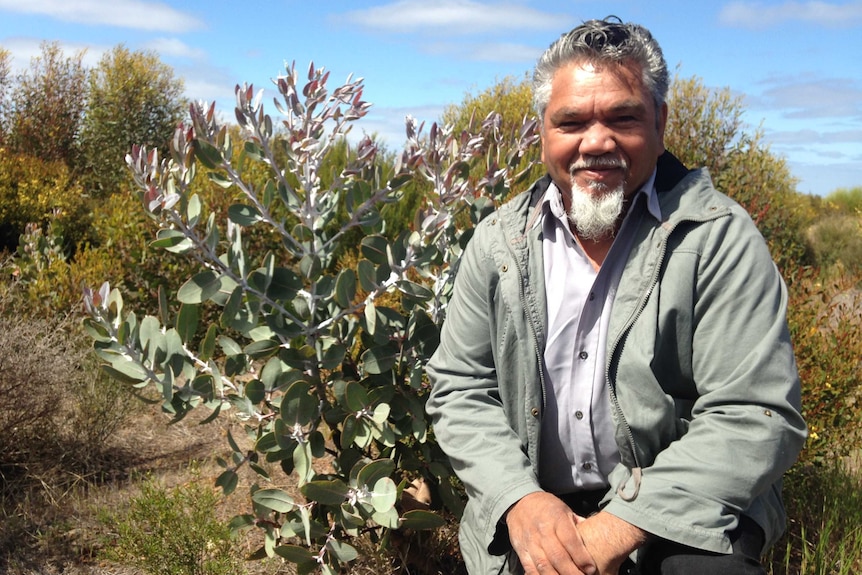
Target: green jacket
(701, 371)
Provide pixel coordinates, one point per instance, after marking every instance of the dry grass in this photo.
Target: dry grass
(75, 445)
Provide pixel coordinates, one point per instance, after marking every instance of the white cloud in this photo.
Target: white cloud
(509, 53)
(452, 17)
(809, 137)
(23, 50)
(811, 97)
(758, 15)
(135, 14)
(505, 52)
(388, 124)
(175, 47)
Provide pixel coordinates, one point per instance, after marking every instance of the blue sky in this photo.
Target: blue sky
(797, 64)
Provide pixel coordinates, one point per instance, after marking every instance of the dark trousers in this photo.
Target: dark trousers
(663, 557)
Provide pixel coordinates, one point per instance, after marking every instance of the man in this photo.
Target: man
(615, 381)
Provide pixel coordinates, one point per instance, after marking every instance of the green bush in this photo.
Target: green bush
(825, 319)
(837, 238)
(172, 532)
(38, 192)
(323, 363)
(847, 200)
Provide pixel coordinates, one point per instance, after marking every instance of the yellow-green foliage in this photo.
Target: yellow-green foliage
(173, 532)
(837, 238)
(512, 98)
(825, 320)
(35, 191)
(836, 235)
(847, 200)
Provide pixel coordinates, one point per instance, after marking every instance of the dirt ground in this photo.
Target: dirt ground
(67, 536)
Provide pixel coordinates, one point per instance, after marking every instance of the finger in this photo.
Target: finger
(574, 546)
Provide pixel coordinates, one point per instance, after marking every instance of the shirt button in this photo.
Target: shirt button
(586, 466)
(592, 296)
(535, 412)
(579, 415)
(583, 355)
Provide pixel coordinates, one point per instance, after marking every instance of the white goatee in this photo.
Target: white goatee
(594, 212)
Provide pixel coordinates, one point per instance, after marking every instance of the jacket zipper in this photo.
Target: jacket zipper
(637, 470)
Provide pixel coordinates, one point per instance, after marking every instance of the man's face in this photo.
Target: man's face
(601, 130)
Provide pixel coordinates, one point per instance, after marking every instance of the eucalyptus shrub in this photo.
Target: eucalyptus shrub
(323, 364)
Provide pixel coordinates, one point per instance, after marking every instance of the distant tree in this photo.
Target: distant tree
(47, 105)
(847, 200)
(510, 97)
(705, 129)
(134, 98)
(837, 237)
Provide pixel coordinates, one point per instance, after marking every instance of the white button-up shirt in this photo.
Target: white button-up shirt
(577, 446)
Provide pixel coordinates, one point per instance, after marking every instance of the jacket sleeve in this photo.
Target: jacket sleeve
(472, 419)
(744, 429)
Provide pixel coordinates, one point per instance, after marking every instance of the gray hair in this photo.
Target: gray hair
(608, 41)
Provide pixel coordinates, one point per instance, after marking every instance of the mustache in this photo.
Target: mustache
(597, 162)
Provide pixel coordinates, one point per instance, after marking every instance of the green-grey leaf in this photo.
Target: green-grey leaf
(262, 349)
(187, 321)
(345, 288)
(228, 481)
(173, 241)
(241, 522)
(415, 291)
(374, 471)
(310, 267)
(355, 396)
(274, 499)
(243, 215)
(379, 359)
(387, 518)
(297, 405)
(342, 551)
(331, 492)
(367, 275)
(370, 318)
(200, 287)
(384, 495)
(374, 249)
(255, 391)
(302, 233)
(302, 459)
(209, 155)
(229, 346)
(208, 344)
(130, 373)
(284, 284)
(421, 519)
(149, 333)
(333, 356)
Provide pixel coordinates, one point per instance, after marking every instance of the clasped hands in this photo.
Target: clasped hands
(550, 538)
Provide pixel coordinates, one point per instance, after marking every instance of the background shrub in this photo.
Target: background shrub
(172, 532)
